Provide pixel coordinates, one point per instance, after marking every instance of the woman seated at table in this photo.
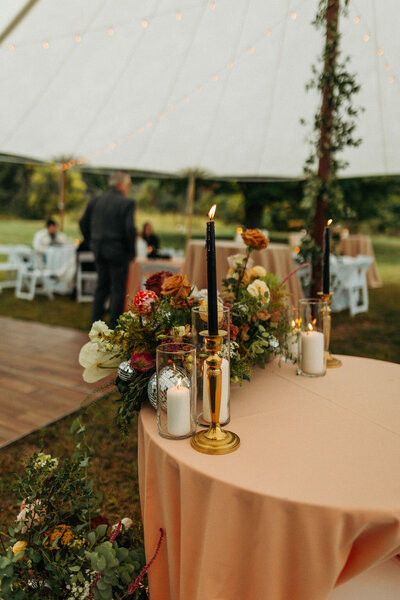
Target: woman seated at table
(152, 240)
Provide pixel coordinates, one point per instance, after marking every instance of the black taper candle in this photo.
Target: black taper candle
(211, 277)
(326, 280)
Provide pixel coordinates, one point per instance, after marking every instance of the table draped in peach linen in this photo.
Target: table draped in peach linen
(277, 258)
(309, 500)
(361, 244)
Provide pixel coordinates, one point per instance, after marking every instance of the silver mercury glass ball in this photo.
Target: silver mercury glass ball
(125, 371)
(168, 378)
(273, 342)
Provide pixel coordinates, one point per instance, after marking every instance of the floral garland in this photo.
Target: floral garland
(162, 313)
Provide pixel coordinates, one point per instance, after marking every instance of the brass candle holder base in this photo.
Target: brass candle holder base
(331, 361)
(215, 440)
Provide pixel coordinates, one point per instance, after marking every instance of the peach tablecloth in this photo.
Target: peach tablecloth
(277, 258)
(310, 499)
(361, 244)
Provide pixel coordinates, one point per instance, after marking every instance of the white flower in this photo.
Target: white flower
(179, 331)
(97, 362)
(237, 260)
(45, 461)
(259, 288)
(257, 272)
(98, 331)
(126, 522)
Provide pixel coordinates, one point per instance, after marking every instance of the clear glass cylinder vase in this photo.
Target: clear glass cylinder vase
(199, 329)
(176, 390)
(312, 337)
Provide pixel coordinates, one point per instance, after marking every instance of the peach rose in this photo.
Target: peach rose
(177, 286)
(255, 239)
(19, 547)
(257, 272)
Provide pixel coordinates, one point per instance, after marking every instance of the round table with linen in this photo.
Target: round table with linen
(277, 258)
(309, 500)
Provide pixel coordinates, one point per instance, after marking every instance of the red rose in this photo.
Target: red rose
(100, 520)
(154, 282)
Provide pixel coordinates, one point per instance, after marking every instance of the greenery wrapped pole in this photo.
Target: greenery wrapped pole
(334, 126)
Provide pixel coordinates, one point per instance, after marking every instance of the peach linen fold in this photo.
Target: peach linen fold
(277, 258)
(361, 244)
(310, 499)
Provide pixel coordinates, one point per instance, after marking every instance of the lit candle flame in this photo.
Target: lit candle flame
(329, 222)
(239, 230)
(293, 324)
(211, 212)
(310, 327)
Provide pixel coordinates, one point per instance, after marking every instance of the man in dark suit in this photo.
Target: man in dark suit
(108, 225)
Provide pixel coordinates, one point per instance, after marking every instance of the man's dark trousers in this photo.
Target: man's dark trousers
(111, 283)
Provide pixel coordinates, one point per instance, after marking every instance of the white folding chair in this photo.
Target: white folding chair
(16, 256)
(350, 283)
(85, 280)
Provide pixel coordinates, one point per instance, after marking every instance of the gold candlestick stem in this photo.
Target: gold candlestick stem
(214, 440)
(331, 361)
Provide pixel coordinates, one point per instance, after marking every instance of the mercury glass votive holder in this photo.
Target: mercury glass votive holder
(312, 335)
(176, 390)
(199, 329)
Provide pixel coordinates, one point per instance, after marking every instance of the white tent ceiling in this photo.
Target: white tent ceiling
(170, 85)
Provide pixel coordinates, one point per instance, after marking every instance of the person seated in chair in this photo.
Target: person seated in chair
(152, 240)
(48, 236)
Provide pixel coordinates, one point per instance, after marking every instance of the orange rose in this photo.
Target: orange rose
(255, 239)
(177, 286)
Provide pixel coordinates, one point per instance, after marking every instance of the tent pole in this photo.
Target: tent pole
(62, 198)
(17, 19)
(325, 137)
(190, 193)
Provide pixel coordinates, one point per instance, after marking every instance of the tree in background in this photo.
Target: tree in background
(44, 191)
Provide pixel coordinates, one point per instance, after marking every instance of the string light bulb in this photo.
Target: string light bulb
(387, 67)
(198, 89)
(366, 37)
(293, 16)
(267, 32)
(11, 47)
(186, 99)
(391, 79)
(380, 52)
(78, 38)
(45, 45)
(356, 20)
(111, 31)
(212, 5)
(251, 50)
(149, 123)
(178, 16)
(215, 77)
(145, 23)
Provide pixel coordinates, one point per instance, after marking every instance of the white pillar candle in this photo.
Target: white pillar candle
(312, 352)
(178, 410)
(223, 413)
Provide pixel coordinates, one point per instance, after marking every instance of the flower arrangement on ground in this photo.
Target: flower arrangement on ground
(60, 547)
(162, 313)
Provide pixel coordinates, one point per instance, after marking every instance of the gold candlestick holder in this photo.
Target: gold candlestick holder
(214, 440)
(331, 361)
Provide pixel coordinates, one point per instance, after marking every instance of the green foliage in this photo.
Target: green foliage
(44, 193)
(57, 549)
(333, 81)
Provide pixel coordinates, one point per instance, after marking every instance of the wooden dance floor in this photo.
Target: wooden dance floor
(40, 377)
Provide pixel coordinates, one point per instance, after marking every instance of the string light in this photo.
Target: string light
(111, 31)
(198, 89)
(149, 123)
(380, 52)
(160, 117)
(391, 79)
(186, 99)
(356, 20)
(251, 50)
(387, 67)
(178, 16)
(170, 107)
(267, 32)
(215, 77)
(145, 23)
(11, 47)
(78, 38)
(230, 64)
(45, 45)
(293, 16)
(141, 129)
(366, 37)
(131, 136)
(212, 5)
